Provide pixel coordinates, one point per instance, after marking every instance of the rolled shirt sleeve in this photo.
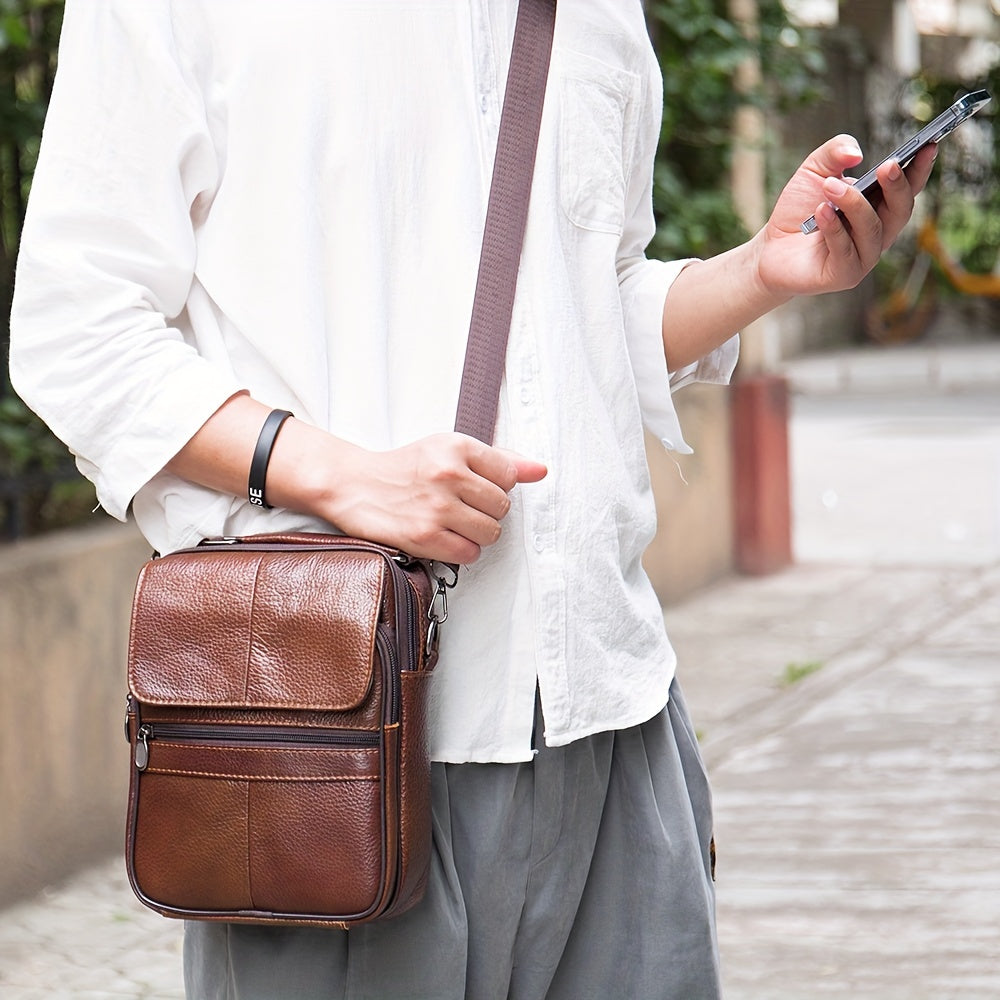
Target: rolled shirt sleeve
(99, 344)
(654, 383)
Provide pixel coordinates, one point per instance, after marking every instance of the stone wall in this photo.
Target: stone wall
(694, 541)
(64, 603)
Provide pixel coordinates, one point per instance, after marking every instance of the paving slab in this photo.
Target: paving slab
(89, 939)
(858, 845)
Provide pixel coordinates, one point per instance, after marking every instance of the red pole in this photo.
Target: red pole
(761, 481)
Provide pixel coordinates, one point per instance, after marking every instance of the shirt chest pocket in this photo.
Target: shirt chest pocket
(597, 107)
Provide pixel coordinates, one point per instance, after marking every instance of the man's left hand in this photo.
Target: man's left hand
(847, 246)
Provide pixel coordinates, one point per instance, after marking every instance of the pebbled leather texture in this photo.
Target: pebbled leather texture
(277, 724)
(270, 629)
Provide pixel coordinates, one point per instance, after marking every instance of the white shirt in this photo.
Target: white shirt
(233, 195)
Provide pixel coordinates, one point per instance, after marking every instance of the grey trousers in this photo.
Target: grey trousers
(583, 874)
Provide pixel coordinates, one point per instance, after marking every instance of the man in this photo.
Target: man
(240, 207)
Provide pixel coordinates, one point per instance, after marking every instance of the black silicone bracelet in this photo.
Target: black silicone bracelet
(262, 455)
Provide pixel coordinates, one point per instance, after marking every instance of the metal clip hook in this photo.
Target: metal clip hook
(437, 613)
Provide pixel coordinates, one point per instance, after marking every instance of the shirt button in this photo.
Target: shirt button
(526, 396)
(539, 542)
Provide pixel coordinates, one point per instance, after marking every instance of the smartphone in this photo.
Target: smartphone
(945, 123)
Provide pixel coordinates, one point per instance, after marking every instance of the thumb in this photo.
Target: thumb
(836, 155)
(526, 469)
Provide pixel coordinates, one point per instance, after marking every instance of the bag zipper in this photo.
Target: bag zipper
(409, 612)
(390, 661)
(272, 736)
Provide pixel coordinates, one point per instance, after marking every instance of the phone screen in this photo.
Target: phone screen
(945, 123)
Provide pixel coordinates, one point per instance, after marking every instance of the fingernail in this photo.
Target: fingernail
(851, 150)
(826, 211)
(835, 187)
(894, 172)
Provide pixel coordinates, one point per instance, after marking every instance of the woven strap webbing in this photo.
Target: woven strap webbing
(506, 217)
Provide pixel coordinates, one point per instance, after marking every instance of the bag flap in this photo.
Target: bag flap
(245, 628)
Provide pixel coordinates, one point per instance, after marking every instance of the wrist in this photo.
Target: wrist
(310, 470)
(762, 293)
(712, 299)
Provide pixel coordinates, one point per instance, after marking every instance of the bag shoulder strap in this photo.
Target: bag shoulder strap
(506, 218)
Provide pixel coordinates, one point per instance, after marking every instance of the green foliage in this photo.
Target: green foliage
(29, 35)
(52, 493)
(795, 672)
(37, 475)
(25, 444)
(971, 232)
(700, 52)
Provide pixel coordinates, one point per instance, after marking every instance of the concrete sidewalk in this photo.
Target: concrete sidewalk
(847, 707)
(858, 813)
(850, 706)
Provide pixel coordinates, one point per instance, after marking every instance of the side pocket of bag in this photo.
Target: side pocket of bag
(415, 817)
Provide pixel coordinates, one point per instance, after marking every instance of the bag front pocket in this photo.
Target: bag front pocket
(246, 819)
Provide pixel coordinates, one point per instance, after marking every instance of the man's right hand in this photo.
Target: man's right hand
(442, 497)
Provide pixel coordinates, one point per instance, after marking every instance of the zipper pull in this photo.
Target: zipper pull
(142, 747)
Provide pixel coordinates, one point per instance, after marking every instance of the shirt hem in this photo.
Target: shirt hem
(511, 756)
